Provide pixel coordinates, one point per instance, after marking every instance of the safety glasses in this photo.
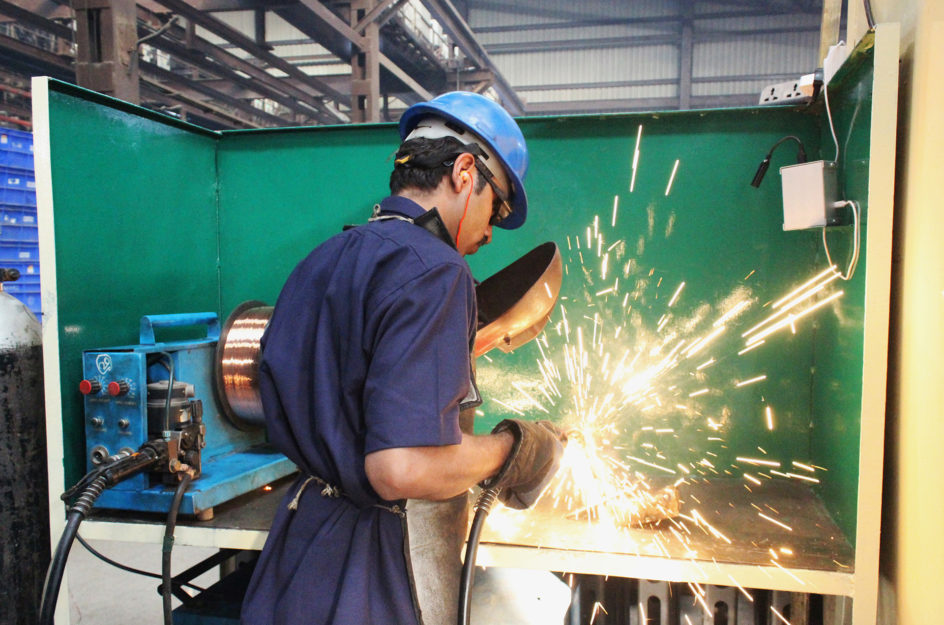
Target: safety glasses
(500, 206)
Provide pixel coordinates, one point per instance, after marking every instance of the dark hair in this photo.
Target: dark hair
(422, 163)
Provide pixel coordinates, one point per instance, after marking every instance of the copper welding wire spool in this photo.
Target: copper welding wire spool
(237, 365)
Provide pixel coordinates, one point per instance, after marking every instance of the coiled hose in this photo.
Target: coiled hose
(76, 514)
(482, 507)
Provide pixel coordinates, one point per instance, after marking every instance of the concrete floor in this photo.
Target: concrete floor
(100, 594)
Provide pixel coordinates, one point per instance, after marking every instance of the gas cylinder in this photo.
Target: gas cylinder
(24, 505)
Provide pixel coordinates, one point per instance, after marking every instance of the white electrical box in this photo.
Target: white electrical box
(810, 191)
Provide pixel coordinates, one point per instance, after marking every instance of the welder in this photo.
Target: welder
(367, 382)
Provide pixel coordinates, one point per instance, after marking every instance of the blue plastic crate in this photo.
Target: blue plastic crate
(16, 141)
(29, 271)
(26, 283)
(18, 252)
(18, 215)
(18, 233)
(11, 178)
(17, 197)
(16, 149)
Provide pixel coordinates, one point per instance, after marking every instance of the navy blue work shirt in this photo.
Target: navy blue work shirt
(367, 349)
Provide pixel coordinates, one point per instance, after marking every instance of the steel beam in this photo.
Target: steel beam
(220, 29)
(17, 53)
(218, 56)
(26, 16)
(328, 16)
(164, 76)
(686, 47)
(106, 38)
(654, 82)
(461, 33)
(173, 99)
(49, 9)
(669, 21)
(365, 67)
(637, 104)
(263, 88)
(386, 8)
(637, 41)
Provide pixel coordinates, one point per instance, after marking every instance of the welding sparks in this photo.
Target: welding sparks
(813, 283)
(775, 521)
(766, 463)
(597, 607)
(705, 364)
(759, 378)
(741, 588)
(632, 182)
(675, 296)
(668, 187)
(779, 615)
(631, 385)
(750, 348)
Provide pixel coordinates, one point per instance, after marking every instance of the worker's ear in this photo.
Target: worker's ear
(462, 171)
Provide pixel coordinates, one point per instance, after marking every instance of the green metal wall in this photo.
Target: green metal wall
(837, 387)
(168, 218)
(135, 207)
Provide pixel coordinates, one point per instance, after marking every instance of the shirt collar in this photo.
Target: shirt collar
(401, 206)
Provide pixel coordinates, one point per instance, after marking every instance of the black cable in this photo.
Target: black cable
(57, 566)
(482, 507)
(166, 589)
(764, 164)
(868, 15)
(125, 567)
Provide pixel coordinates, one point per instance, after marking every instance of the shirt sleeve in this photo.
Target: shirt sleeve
(420, 366)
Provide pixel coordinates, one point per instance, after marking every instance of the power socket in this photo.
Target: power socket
(811, 195)
(797, 91)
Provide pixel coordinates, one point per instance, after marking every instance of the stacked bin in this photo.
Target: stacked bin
(19, 240)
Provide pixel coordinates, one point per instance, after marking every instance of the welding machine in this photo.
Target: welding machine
(170, 391)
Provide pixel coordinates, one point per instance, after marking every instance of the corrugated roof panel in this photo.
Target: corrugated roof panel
(549, 11)
(730, 87)
(788, 23)
(614, 93)
(754, 55)
(582, 66)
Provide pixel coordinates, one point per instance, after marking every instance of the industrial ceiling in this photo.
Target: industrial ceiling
(267, 63)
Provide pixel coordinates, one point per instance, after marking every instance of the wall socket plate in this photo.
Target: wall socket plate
(810, 195)
(790, 92)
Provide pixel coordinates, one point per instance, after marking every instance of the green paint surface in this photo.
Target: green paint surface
(153, 216)
(135, 232)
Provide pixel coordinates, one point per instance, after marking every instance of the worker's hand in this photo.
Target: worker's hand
(533, 461)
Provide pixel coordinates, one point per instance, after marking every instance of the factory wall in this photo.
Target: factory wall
(912, 544)
(639, 47)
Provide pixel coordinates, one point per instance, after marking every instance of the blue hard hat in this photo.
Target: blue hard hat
(494, 126)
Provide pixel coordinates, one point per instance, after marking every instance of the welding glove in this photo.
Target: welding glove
(533, 461)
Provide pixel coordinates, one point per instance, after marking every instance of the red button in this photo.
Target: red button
(87, 387)
(117, 388)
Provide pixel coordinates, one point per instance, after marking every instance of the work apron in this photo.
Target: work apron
(435, 531)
